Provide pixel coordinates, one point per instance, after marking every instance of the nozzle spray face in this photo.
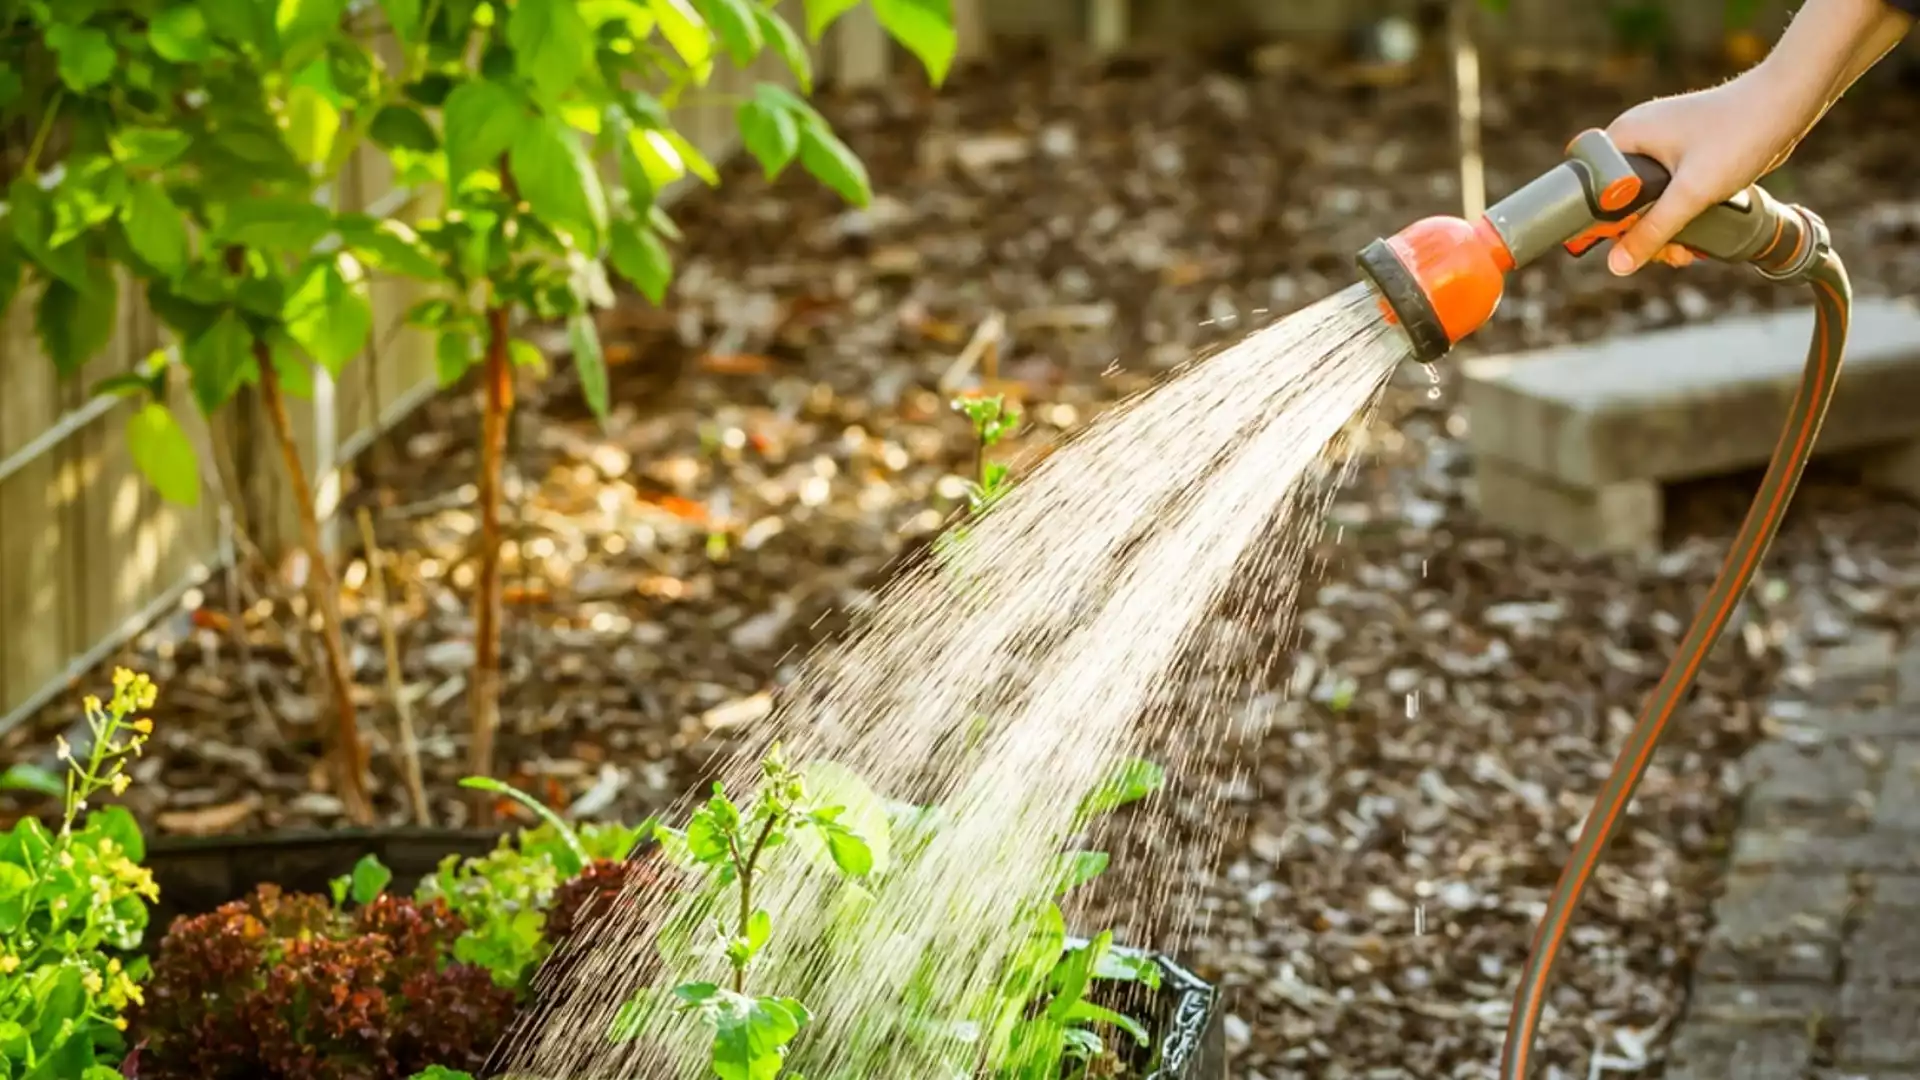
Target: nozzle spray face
(1440, 279)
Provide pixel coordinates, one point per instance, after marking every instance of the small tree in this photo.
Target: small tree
(551, 154)
(199, 142)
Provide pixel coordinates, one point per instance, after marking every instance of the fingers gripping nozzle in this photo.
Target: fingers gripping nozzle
(1442, 277)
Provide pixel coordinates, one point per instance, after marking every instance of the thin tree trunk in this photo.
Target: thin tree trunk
(484, 694)
(348, 755)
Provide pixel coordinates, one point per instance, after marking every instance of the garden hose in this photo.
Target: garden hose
(1441, 279)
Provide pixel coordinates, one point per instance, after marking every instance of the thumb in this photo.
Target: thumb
(1656, 228)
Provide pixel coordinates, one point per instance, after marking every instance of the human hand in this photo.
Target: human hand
(1714, 142)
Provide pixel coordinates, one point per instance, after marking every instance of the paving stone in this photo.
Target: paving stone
(1865, 663)
(1791, 784)
(1807, 722)
(1906, 666)
(1896, 891)
(1774, 847)
(1795, 1005)
(1866, 1074)
(1777, 927)
(1721, 1051)
(1880, 1026)
(1884, 949)
(1898, 806)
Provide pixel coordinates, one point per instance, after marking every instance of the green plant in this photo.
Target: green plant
(71, 900)
(752, 1033)
(532, 225)
(504, 897)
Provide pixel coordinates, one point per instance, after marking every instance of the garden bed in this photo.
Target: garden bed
(1392, 826)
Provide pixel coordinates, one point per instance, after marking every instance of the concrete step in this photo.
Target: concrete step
(1573, 443)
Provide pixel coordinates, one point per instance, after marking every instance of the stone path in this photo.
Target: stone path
(1813, 968)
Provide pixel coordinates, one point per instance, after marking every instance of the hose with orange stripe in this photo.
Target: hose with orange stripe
(1441, 278)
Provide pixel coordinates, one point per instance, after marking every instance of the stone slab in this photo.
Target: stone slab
(1614, 518)
(1879, 1027)
(1786, 848)
(1688, 402)
(1884, 949)
(1898, 808)
(1772, 927)
(1791, 783)
(1794, 1005)
(1723, 1051)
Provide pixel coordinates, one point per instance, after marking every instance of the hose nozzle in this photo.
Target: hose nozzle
(1441, 278)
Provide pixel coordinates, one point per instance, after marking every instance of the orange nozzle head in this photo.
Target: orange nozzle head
(1440, 278)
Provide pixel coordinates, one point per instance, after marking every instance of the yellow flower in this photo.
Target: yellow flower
(122, 678)
(92, 982)
(120, 782)
(113, 966)
(119, 1023)
(144, 726)
(9, 964)
(149, 694)
(91, 704)
(61, 749)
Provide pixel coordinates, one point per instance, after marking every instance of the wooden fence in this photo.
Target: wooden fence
(89, 553)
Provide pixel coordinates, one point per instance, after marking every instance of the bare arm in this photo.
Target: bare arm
(1717, 141)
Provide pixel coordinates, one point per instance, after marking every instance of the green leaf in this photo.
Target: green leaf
(687, 32)
(243, 22)
(552, 44)
(312, 124)
(925, 27)
(217, 360)
(156, 229)
(638, 255)
(149, 148)
(275, 224)
(74, 324)
(576, 855)
(370, 879)
(559, 181)
(1074, 973)
(750, 1034)
(822, 13)
(32, 214)
(163, 454)
(833, 164)
(769, 132)
(526, 355)
(1086, 1012)
(695, 161)
(299, 21)
(453, 355)
(864, 829)
(1128, 782)
(482, 120)
(388, 245)
(116, 823)
(180, 34)
(441, 1072)
(84, 55)
(403, 127)
(779, 33)
(404, 17)
(656, 157)
(1128, 967)
(589, 362)
(25, 776)
(734, 23)
(1079, 867)
(329, 313)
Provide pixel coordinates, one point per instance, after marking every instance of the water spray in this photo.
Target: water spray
(1441, 279)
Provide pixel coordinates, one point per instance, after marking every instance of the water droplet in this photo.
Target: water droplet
(1433, 394)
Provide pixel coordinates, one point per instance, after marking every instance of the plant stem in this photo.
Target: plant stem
(746, 892)
(497, 375)
(396, 688)
(349, 755)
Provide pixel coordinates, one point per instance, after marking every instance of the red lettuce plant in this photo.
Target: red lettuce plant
(279, 987)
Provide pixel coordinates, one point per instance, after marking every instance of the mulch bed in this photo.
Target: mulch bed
(1391, 826)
